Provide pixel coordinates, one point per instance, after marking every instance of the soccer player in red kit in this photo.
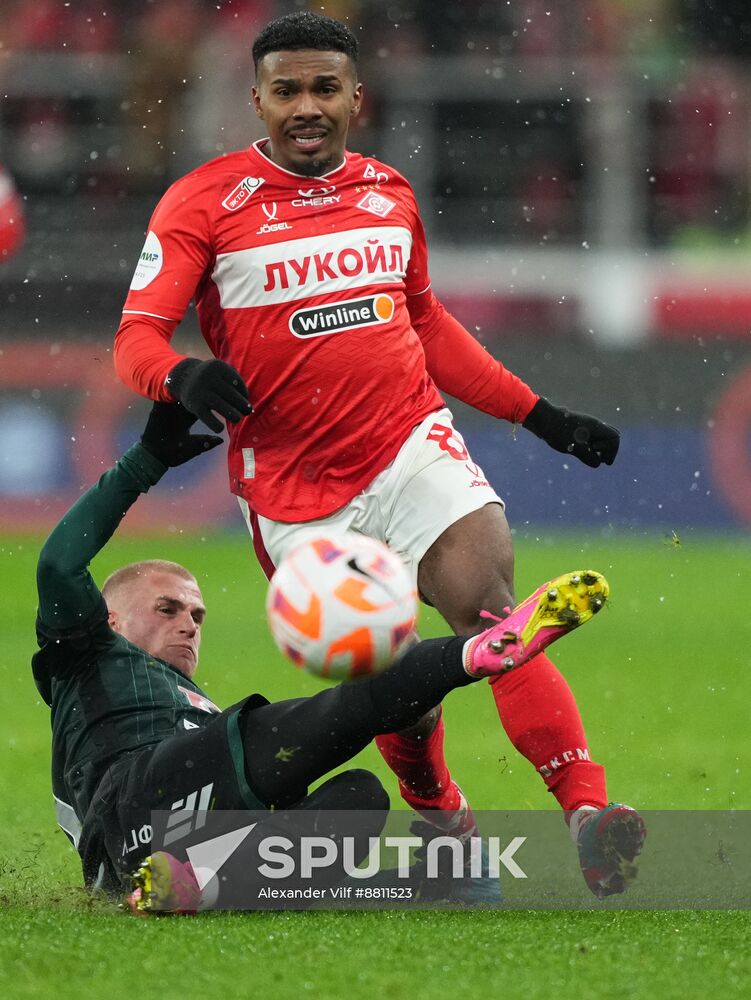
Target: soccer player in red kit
(308, 266)
(12, 217)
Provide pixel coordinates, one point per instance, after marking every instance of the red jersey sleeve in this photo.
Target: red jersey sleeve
(176, 255)
(143, 356)
(460, 365)
(417, 279)
(456, 362)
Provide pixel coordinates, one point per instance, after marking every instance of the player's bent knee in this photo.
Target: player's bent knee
(354, 789)
(465, 619)
(368, 789)
(424, 726)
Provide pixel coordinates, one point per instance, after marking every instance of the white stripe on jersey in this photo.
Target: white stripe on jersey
(314, 265)
(140, 312)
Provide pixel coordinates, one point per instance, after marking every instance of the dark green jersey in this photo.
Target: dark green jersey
(107, 696)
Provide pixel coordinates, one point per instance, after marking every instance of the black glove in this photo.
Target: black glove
(203, 386)
(577, 434)
(166, 435)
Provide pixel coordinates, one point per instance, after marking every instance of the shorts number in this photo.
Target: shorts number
(449, 441)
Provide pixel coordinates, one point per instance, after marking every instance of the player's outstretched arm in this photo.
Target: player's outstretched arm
(461, 366)
(145, 361)
(68, 595)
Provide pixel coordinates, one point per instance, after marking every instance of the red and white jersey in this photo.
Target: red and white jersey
(302, 285)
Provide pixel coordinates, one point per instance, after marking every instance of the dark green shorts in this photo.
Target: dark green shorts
(193, 771)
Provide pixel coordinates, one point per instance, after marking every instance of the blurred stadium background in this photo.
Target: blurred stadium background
(583, 168)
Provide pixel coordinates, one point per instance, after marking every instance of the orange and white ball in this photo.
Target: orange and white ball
(341, 605)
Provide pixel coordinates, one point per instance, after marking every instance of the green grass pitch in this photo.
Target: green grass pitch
(663, 682)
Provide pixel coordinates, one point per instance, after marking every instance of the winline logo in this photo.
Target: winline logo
(318, 321)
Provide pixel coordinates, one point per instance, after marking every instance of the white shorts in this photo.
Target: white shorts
(431, 483)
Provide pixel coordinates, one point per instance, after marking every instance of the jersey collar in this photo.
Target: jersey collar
(257, 147)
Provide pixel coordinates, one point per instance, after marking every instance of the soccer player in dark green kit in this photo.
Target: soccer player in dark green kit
(132, 732)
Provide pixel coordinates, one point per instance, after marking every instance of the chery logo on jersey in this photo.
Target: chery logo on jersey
(376, 204)
(314, 192)
(241, 194)
(149, 263)
(317, 197)
(318, 321)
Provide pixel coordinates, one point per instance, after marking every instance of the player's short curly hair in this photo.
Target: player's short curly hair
(305, 30)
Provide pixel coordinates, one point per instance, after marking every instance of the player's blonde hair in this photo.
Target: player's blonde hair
(121, 578)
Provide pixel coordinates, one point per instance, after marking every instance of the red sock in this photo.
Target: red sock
(541, 718)
(424, 780)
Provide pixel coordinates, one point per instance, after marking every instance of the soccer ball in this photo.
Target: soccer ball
(341, 605)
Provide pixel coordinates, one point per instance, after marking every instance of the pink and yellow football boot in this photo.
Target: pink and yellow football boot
(164, 885)
(554, 609)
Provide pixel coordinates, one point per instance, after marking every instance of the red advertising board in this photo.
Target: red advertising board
(76, 383)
